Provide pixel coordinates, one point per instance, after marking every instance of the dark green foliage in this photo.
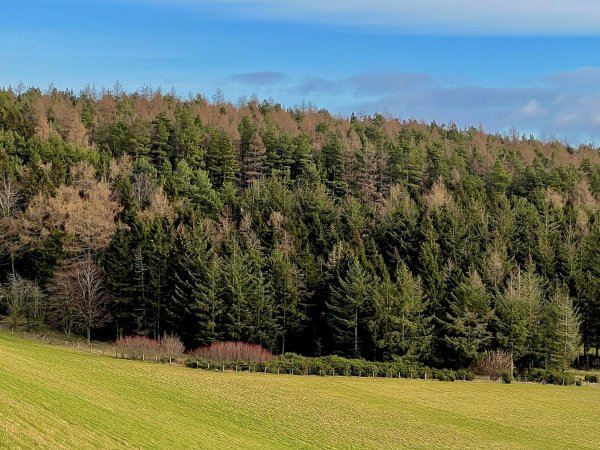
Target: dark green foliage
(349, 308)
(333, 165)
(398, 242)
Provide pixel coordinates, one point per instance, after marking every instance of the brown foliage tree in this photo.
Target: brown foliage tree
(88, 217)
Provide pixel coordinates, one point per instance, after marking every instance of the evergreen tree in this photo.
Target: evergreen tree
(236, 286)
(160, 140)
(348, 308)
(254, 161)
(561, 323)
(187, 137)
(221, 161)
(195, 309)
(402, 327)
(517, 313)
(467, 334)
(333, 165)
(287, 290)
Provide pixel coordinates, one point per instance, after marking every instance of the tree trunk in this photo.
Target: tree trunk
(512, 365)
(356, 332)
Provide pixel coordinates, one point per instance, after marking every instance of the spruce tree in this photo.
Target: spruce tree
(466, 326)
(348, 306)
(333, 165)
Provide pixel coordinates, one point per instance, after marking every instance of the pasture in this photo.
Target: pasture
(53, 397)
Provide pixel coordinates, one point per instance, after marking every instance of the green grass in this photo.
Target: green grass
(55, 398)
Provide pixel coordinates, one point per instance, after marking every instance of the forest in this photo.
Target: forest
(365, 236)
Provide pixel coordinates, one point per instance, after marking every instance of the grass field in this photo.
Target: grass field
(54, 397)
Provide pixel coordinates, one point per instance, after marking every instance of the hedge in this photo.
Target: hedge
(294, 364)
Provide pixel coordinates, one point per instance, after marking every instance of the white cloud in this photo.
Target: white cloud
(531, 109)
(479, 17)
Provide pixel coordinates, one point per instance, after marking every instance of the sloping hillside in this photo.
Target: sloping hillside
(59, 398)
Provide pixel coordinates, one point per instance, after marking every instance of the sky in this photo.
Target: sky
(533, 65)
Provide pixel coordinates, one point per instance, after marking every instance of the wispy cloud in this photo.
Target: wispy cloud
(314, 85)
(546, 109)
(264, 78)
(509, 17)
(565, 104)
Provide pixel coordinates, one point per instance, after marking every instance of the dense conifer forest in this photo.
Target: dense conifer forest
(363, 236)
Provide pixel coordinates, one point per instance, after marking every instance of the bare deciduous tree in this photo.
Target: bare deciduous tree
(493, 363)
(78, 297)
(9, 222)
(22, 297)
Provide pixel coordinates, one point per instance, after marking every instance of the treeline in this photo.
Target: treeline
(364, 237)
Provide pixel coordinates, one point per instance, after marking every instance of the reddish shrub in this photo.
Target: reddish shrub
(138, 347)
(233, 351)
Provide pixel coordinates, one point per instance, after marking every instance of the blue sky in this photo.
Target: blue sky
(531, 65)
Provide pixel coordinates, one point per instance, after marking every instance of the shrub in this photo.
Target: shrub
(229, 351)
(506, 377)
(591, 378)
(549, 377)
(465, 375)
(493, 363)
(291, 363)
(171, 346)
(138, 347)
